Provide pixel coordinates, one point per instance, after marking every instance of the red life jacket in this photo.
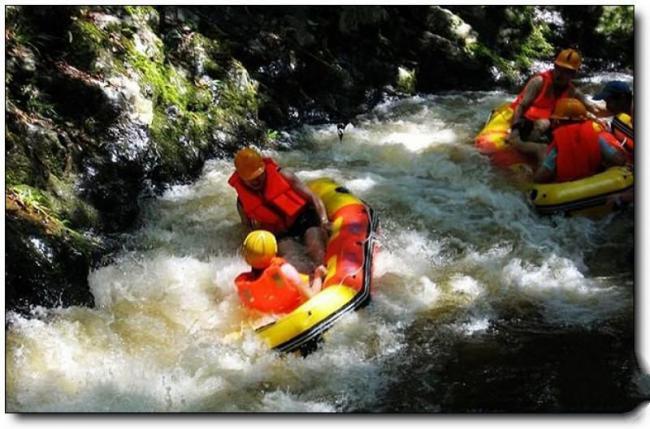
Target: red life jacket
(269, 292)
(277, 207)
(578, 151)
(542, 107)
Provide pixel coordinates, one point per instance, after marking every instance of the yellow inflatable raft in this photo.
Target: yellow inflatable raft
(491, 141)
(348, 257)
(585, 197)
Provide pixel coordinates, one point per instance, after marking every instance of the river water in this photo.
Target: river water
(478, 304)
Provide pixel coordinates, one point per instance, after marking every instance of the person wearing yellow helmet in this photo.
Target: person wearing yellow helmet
(274, 199)
(577, 149)
(273, 285)
(534, 105)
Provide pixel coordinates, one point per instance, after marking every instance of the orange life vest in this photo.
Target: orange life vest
(542, 107)
(271, 291)
(578, 151)
(277, 207)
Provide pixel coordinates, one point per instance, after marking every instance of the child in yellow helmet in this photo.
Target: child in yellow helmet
(273, 285)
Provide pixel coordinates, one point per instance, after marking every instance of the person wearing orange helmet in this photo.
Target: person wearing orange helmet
(534, 105)
(274, 199)
(577, 149)
(273, 285)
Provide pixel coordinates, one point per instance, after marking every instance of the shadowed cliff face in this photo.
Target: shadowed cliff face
(106, 105)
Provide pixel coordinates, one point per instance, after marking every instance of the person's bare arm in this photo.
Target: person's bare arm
(593, 108)
(319, 277)
(242, 216)
(303, 286)
(531, 91)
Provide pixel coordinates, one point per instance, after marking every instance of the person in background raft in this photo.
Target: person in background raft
(578, 149)
(276, 200)
(533, 106)
(273, 285)
(620, 104)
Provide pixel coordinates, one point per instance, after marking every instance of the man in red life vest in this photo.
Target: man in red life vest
(534, 105)
(577, 149)
(276, 200)
(273, 285)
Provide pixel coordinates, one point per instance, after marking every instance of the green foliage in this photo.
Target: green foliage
(271, 135)
(535, 46)
(18, 30)
(32, 197)
(616, 21)
(487, 55)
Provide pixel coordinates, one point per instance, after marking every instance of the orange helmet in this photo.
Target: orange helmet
(248, 163)
(569, 109)
(569, 59)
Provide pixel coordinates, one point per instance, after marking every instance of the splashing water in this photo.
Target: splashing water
(463, 259)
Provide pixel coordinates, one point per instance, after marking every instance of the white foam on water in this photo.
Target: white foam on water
(465, 285)
(168, 333)
(473, 326)
(568, 297)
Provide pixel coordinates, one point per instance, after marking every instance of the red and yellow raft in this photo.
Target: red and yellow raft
(348, 257)
(584, 197)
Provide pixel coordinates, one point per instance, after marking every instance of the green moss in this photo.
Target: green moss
(144, 15)
(484, 53)
(88, 42)
(158, 77)
(534, 47)
(18, 165)
(65, 203)
(239, 92)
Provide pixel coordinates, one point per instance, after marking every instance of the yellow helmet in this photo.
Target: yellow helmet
(259, 248)
(569, 59)
(249, 163)
(569, 109)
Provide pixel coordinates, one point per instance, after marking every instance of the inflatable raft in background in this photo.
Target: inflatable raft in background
(348, 258)
(584, 197)
(491, 141)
